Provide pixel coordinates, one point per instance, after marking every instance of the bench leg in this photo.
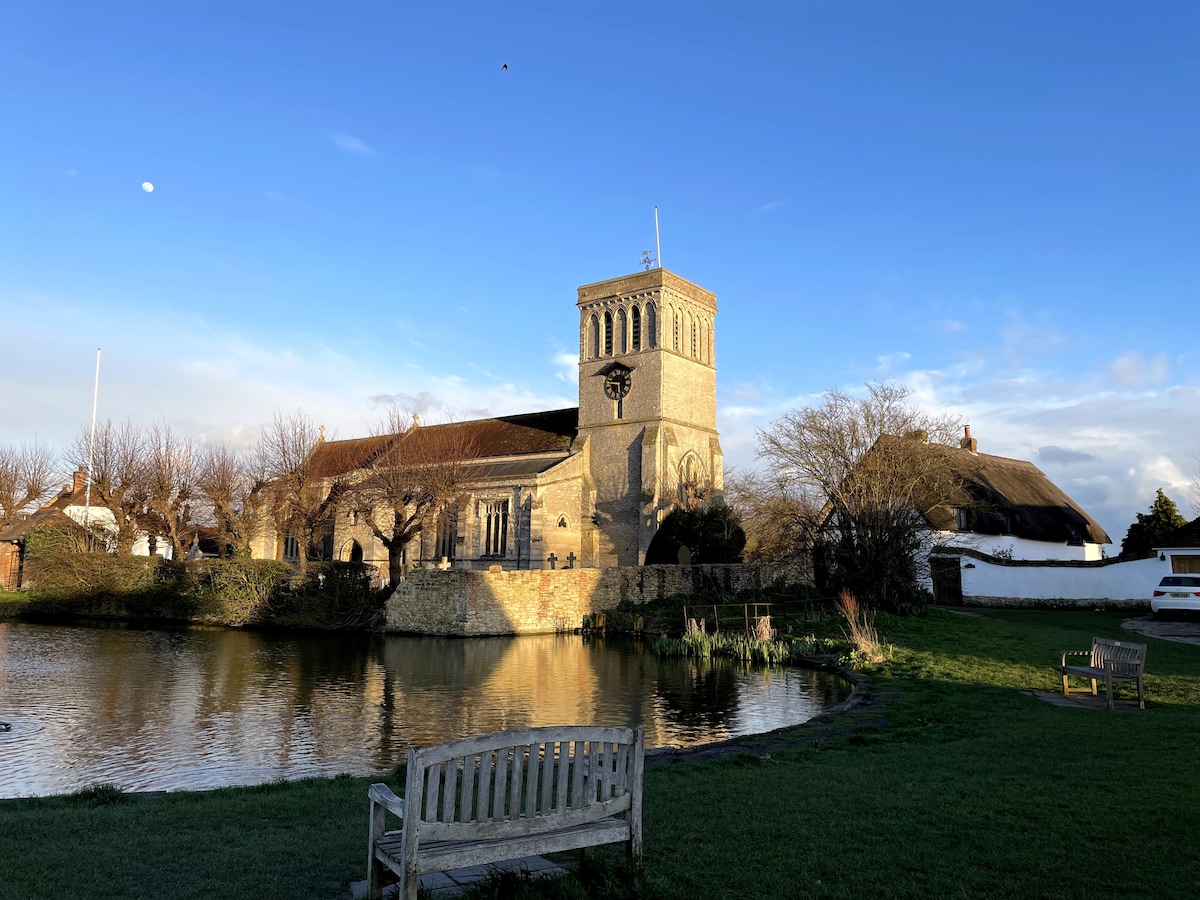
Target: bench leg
(374, 877)
(1066, 687)
(1093, 687)
(1141, 697)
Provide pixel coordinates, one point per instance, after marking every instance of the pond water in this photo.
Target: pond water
(157, 709)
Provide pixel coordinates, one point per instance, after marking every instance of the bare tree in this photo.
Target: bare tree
(119, 469)
(27, 476)
(877, 465)
(170, 483)
(232, 483)
(305, 481)
(780, 518)
(414, 474)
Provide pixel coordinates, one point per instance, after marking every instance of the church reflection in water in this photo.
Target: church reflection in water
(191, 709)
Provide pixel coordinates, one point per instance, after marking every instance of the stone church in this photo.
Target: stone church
(586, 486)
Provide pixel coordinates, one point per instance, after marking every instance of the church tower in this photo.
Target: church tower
(647, 408)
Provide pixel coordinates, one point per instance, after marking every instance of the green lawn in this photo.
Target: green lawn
(947, 782)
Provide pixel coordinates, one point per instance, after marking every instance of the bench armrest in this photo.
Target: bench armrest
(1067, 653)
(382, 794)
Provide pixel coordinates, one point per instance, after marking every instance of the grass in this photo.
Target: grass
(949, 781)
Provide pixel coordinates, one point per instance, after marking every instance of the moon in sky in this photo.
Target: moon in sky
(147, 187)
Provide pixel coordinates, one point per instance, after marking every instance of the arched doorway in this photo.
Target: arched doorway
(352, 551)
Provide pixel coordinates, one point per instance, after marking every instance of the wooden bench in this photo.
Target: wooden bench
(1108, 661)
(505, 796)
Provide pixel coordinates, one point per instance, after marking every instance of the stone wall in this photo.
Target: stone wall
(526, 602)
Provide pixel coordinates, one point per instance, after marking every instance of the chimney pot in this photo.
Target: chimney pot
(968, 443)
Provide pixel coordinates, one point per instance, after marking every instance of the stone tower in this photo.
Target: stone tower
(647, 409)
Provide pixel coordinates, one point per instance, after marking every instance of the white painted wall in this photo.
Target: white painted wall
(1132, 580)
(1021, 548)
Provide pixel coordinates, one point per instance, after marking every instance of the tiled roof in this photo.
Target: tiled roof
(1185, 535)
(481, 439)
(19, 529)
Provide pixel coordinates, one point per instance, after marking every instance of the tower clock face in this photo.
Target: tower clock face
(616, 383)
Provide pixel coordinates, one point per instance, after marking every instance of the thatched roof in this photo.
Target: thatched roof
(1011, 496)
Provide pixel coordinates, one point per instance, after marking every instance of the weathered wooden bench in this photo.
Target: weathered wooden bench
(1108, 661)
(505, 796)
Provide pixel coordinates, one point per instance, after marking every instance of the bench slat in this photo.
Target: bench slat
(564, 770)
(482, 810)
(444, 831)
(437, 856)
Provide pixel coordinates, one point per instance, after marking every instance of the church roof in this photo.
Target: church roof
(481, 439)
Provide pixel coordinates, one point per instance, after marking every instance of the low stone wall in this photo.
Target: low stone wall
(456, 602)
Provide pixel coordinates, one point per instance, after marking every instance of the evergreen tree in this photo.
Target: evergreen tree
(712, 536)
(1152, 529)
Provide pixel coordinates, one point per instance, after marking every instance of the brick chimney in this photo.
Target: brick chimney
(969, 443)
(80, 484)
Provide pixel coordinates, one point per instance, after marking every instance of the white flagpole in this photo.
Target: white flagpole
(87, 494)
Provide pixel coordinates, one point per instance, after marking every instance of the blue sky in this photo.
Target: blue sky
(994, 202)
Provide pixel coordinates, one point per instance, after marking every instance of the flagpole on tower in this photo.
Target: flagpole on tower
(657, 243)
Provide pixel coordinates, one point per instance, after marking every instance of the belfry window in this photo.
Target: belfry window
(622, 332)
(636, 318)
(593, 337)
(495, 525)
(651, 328)
(608, 334)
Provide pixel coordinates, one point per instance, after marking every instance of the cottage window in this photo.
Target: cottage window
(495, 525)
(962, 519)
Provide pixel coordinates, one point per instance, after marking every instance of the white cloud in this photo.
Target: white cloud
(351, 144)
(770, 207)
(1133, 371)
(890, 361)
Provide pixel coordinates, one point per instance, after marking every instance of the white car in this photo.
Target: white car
(1176, 592)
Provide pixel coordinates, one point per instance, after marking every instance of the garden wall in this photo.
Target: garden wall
(987, 581)
(456, 602)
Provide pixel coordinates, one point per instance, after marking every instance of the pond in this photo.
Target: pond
(185, 709)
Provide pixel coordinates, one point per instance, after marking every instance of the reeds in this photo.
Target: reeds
(748, 649)
(863, 636)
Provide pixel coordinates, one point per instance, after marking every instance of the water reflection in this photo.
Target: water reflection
(201, 708)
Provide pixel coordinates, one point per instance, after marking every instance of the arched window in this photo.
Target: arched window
(691, 327)
(636, 318)
(675, 325)
(608, 334)
(622, 332)
(562, 521)
(593, 338)
(651, 326)
(700, 331)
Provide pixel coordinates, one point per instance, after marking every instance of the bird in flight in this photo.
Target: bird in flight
(505, 67)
